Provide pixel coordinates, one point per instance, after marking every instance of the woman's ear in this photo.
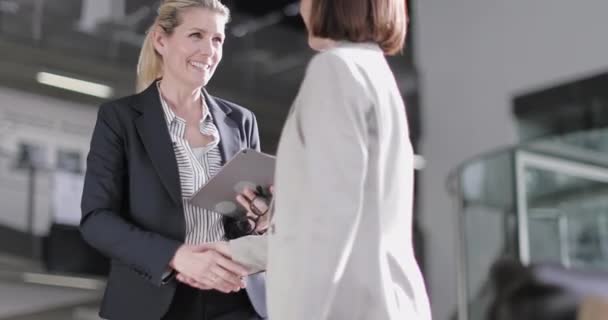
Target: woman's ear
(159, 40)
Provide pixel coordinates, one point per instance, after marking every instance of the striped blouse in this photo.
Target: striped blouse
(196, 166)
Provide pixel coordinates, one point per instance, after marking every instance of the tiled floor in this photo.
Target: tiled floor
(24, 297)
(78, 312)
(21, 299)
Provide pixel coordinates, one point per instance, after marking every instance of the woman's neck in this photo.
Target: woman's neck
(180, 97)
(321, 44)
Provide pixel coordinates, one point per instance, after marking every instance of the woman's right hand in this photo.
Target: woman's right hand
(204, 267)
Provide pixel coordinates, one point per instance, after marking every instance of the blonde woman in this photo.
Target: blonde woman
(149, 153)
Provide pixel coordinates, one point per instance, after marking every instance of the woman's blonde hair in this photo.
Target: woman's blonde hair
(150, 64)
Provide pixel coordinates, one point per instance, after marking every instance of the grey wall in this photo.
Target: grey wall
(474, 56)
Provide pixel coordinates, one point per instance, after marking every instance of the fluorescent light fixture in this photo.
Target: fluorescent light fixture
(76, 85)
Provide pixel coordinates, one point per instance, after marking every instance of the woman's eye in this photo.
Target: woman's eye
(218, 40)
(196, 35)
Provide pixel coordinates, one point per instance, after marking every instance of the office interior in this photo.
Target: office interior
(508, 113)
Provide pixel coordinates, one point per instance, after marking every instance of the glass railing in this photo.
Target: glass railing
(541, 202)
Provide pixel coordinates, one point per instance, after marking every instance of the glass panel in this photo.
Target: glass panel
(586, 146)
(544, 237)
(567, 218)
(489, 224)
(586, 233)
(564, 201)
(489, 182)
(487, 240)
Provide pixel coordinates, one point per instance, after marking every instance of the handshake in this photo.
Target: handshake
(210, 265)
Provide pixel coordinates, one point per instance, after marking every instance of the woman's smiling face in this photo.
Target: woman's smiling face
(193, 51)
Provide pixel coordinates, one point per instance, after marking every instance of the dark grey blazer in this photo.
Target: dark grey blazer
(132, 205)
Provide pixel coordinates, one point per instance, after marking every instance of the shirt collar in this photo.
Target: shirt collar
(170, 116)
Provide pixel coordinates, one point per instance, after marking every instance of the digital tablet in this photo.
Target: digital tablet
(247, 169)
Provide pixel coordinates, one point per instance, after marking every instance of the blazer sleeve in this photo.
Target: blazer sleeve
(104, 224)
(330, 117)
(250, 251)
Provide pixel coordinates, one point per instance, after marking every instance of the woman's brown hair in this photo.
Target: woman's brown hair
(381, 21)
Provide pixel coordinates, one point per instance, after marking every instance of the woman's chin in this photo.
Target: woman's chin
(196, 82)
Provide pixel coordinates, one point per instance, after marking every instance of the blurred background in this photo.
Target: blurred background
(508, 109)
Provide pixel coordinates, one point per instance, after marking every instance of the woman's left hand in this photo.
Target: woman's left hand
(249, 198)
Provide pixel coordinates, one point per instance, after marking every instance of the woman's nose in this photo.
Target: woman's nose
(206, 47)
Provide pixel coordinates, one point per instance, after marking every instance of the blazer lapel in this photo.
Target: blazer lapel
(152, 128)
(230, 142)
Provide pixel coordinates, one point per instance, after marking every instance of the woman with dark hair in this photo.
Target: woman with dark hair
(340, 243)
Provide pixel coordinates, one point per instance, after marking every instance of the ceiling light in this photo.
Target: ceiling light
(76, 85)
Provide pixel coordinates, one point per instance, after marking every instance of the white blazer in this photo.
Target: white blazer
(340, 243)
